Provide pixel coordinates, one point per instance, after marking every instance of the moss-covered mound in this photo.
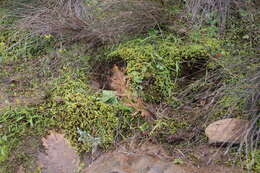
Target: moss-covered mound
(154, 62)
(85, 117)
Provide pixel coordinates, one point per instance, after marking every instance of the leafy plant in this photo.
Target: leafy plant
(87, 138)
(109, 97)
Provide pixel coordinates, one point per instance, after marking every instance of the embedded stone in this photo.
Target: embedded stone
(229, 130)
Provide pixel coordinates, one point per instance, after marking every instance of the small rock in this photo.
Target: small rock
(59, 157)
(229, 130)
(177, 29)
(117, 162)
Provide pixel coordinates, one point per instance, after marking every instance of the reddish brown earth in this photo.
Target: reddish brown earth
(127, 158)
(149, 158)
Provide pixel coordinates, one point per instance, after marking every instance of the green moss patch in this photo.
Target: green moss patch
(87, 118)
(153, 63)
(162, 128)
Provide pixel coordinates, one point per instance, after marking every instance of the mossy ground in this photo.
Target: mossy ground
(40, 65)
(84, 116)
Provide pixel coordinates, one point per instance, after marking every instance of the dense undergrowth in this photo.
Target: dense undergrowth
(216, 76)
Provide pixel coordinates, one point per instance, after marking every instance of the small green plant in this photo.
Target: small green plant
(178, 161)
(4, 149)
(87, 138)
(109, 97)
(166, 126)
(162, 127)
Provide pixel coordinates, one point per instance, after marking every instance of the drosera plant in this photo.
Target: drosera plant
(156, 61)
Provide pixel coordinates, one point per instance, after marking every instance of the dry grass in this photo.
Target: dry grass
(94, 22)
(204, 97)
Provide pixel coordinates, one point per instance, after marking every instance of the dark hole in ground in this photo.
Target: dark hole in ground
(193, 70)
(102, 72)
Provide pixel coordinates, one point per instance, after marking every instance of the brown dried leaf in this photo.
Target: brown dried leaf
(119, 84)
(118, 81)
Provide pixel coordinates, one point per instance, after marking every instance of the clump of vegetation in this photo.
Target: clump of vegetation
(155, 62)
(158, 69)
(162, 128)
(88, 119)
(81, 110)
(17, 126)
